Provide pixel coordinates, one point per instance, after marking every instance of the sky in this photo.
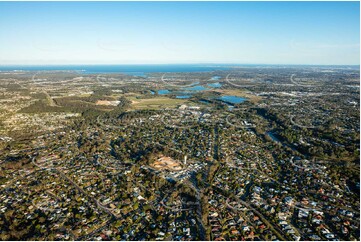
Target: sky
(323, 33)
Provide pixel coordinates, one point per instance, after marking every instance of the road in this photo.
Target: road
(299, 125)
(94, 232)
(298, 84)
(276, 231)
(98, 204)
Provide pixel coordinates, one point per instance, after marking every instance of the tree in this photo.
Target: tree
(136, 206)
(42, 220)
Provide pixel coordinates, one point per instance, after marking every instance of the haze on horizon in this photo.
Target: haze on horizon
(322, 33)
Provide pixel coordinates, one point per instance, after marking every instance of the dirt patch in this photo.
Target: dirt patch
(107, 103)
(166, 163)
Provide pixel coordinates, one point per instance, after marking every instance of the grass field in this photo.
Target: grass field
(156, 103)
(240, 93)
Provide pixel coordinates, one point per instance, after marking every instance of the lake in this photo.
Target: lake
(183, 96)
(163, 92)
(232, 99)
(196, 88)
(270, 134)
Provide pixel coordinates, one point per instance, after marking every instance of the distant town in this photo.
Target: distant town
(244, 153)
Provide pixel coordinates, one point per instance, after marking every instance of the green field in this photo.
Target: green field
(156, 103)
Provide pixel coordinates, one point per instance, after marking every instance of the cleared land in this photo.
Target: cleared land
(107, 103)
(166, 163)
(156, 103)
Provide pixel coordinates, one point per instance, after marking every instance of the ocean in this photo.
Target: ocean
(138, 70)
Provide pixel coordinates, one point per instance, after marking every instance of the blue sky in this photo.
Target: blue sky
(179, 32)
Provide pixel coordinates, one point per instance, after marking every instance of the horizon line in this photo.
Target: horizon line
(180, 63)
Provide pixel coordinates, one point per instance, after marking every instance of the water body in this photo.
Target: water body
(152, 92)
(163, 92)
(215, 85)
(232, 99)
(136, 70)
(275, 139)
(196, 88)
(183, 96)
(271, 135)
